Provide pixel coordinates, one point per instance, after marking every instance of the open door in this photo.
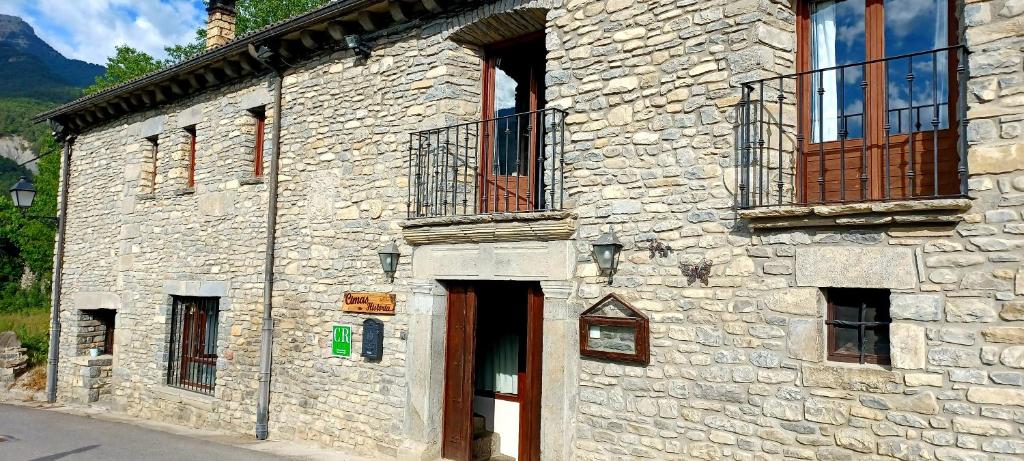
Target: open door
(493, 372)
(513, 96)
(457, 432)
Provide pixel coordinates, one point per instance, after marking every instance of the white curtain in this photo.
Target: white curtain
(941, 36)
(499, 366)
(825, 110)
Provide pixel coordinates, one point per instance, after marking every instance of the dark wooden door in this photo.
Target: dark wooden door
(457, 431)
(513, 94)
(529, 413)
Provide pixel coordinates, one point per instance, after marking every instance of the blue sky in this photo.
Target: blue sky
(90, 29)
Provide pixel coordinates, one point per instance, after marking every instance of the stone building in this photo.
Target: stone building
(818, 204)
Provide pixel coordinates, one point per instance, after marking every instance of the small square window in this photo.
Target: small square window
(858, 325)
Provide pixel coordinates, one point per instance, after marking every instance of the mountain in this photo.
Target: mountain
(30, 68)
(34, 77)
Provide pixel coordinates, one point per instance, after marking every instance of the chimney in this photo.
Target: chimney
(220, 23)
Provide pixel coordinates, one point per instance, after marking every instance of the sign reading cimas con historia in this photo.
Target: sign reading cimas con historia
(369, 303)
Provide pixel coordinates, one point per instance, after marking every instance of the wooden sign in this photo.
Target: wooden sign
(369, 303)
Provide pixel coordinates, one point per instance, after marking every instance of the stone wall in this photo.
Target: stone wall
(738, 367)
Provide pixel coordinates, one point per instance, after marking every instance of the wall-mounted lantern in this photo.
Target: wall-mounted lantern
(606, 252)
(389, 260)
(23, 193)
(357, 45)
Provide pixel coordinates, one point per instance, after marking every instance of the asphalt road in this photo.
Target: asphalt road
(28, 434)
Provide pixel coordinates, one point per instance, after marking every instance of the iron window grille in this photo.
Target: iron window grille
(858, 325)
(192, 362)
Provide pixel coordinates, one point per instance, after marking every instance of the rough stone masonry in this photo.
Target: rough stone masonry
(738, 368)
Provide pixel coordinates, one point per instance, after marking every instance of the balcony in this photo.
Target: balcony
(885, 130)
(512, 163)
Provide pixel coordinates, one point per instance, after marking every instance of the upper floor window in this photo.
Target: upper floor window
(878, 101)
(148, 169)
(191, 159)
(259, 116)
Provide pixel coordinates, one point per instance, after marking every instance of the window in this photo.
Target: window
(191, 173)
(192, 361)
(260, 117)
(879, 99)
(858, 325)
(147, 175)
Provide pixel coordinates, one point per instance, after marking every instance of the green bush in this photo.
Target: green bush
(33, 330)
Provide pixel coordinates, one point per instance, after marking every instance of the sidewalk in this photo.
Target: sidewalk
(284, 449)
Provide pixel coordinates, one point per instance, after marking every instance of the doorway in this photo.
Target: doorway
(493, 372)
(513, 103)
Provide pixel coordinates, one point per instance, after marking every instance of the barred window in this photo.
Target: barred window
(192, 362)
(858, 325)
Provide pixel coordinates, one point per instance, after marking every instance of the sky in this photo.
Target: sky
(90, 29)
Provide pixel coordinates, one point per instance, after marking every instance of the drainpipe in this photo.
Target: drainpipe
(53, 356)
(267, 331)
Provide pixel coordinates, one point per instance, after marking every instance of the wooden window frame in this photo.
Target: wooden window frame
(152, 159)
(831, 324)
(874, 112)
(191, 160)
(260, 117)
(640, 323)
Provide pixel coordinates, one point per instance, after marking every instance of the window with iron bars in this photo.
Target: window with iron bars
(192, 362)
(858, 325)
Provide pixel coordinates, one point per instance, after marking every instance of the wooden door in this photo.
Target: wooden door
(884, 74)
(530, 403)
(513, 93)
(457, 430)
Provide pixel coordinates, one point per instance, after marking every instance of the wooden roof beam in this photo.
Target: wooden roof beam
(309, 39)
(397, 13)
(366, 21)
(336, 30)
(432, 6)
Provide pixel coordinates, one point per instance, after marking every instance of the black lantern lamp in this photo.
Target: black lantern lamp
(389, 260)
(357, 45)
(606, 253)
(23, 193)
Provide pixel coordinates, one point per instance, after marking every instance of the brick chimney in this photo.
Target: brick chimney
(220, 23)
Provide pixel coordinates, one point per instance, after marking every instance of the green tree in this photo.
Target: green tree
(129, 63)
(126, 64)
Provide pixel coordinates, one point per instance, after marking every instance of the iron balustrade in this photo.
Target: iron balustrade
(878, 130)
(508, 164)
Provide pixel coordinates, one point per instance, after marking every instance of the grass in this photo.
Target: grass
(33, 330)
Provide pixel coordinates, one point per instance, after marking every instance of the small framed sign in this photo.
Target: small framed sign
(613, 329)
(369, 303)
(341, 341)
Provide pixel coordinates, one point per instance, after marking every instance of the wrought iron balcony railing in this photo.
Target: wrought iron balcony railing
(509, 164)
(885, 129)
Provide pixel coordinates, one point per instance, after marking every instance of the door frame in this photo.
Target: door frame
(529, 398)
(536, 82)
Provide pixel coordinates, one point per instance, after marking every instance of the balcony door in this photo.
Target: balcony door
(513, 95)
(877, 99)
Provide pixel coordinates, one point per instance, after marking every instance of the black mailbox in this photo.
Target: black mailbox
(373, 339)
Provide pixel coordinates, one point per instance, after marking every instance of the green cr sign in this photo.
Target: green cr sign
(341, 343)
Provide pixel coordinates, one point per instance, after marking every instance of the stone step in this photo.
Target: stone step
(485, 446)
(479, 424)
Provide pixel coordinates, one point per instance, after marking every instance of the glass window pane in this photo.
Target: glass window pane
(847, 341)
(922, 26)
(847, 313)
(876, 340)
(621, 339)
(837, 38)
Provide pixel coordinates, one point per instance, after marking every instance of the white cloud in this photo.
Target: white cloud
(90, 29)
